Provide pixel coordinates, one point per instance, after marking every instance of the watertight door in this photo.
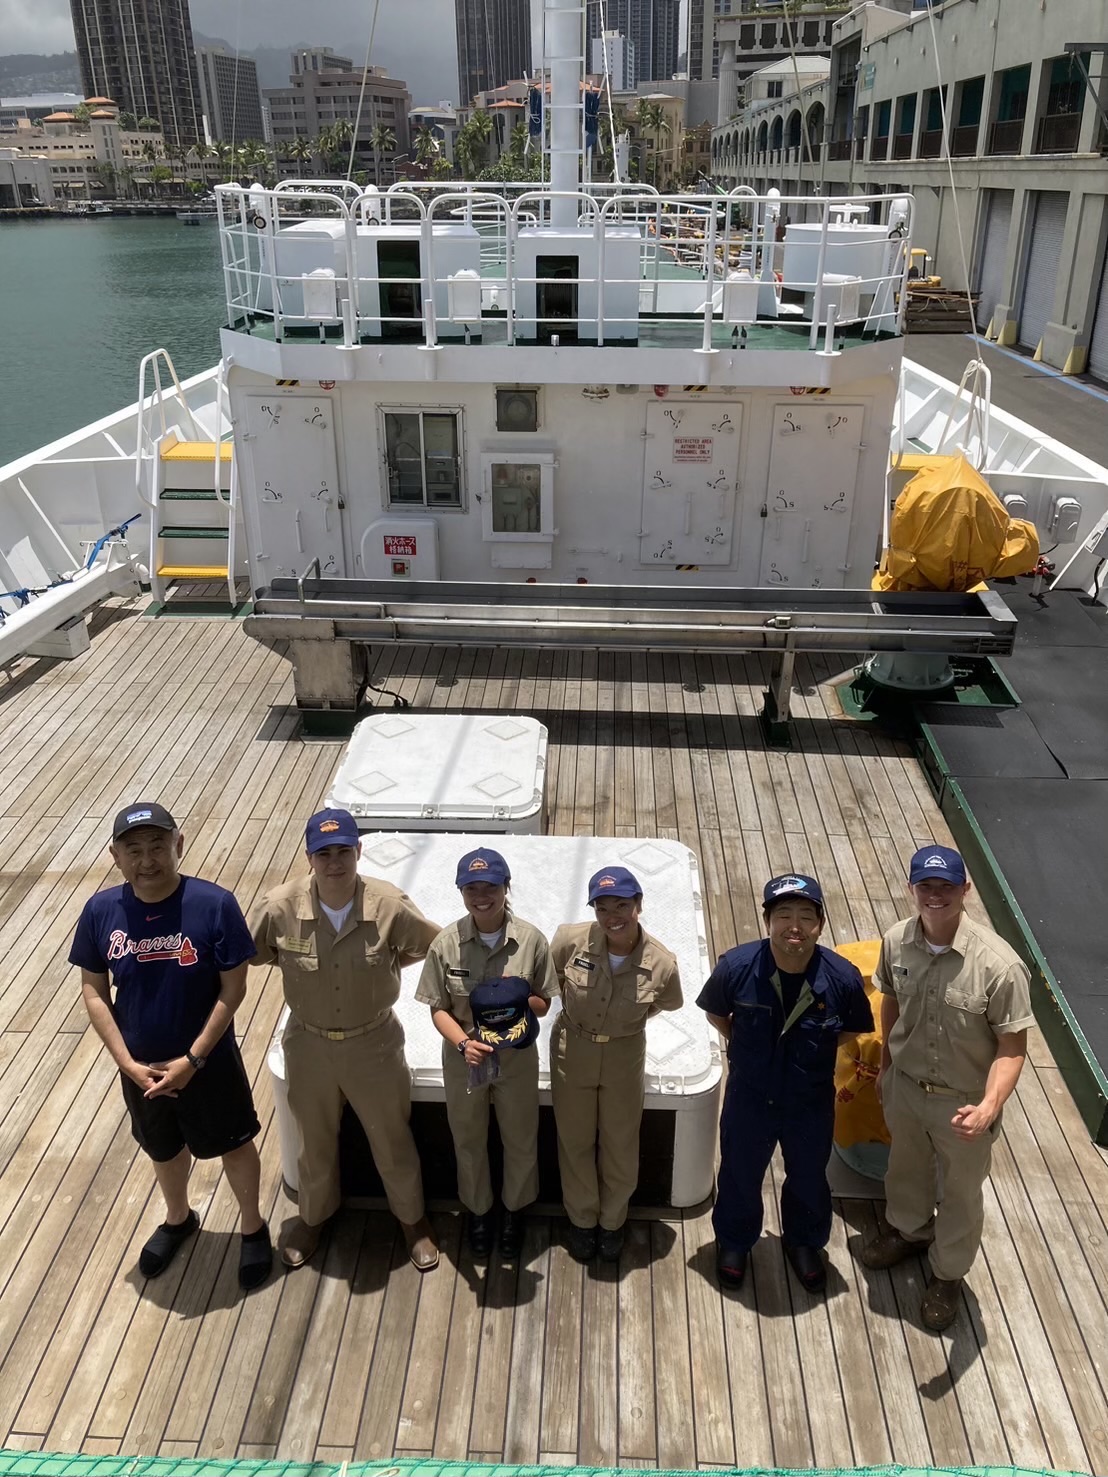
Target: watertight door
(813, 473)
(291, 487)
(690, 477)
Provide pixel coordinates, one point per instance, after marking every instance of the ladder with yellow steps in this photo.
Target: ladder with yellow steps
(193, 529)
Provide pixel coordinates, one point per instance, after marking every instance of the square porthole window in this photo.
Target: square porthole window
(517, 410)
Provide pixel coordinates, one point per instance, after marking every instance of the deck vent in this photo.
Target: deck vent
(517, 410)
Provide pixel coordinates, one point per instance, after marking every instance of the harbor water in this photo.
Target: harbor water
(81, 301)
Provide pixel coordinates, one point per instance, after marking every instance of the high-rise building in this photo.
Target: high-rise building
(324, 89)
(229, 96)
(615, 55)
(652, 27)
(140, 54)
(494, 44)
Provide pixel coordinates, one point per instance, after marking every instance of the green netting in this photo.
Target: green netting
(46, 1464)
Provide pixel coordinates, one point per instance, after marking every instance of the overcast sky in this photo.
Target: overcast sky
(414, 38)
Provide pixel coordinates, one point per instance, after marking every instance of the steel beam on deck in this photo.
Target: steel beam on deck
(328, 624)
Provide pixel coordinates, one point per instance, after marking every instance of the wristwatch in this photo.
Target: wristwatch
(462, 1044)
(195, 1062)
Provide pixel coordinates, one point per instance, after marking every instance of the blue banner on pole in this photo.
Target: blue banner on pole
(592, 119)
(534, 113)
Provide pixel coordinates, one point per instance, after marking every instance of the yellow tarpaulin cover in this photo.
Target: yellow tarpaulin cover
(950, 531)
(858, 1115)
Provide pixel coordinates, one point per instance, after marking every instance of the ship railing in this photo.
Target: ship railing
(307, 259)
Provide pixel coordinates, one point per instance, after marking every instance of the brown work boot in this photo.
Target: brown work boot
(888, 1248)
(299, 1242)
(940, 1303)
(423, 1249)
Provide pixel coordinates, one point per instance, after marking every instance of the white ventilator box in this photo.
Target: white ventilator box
(444, 771)
(549, 887)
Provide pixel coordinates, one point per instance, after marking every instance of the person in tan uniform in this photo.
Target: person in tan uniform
(955, 1010)
(341, 942)
(612, 976)
(487, 979)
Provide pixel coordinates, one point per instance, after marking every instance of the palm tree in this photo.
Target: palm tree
(300, 151)
(127, 180)
(201, 151)
(651, 118)
(426, 145)
(342, 136)
(152, 150)
(481, 124)
(382, 141)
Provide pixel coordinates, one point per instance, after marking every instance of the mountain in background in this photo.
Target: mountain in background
(24, 73)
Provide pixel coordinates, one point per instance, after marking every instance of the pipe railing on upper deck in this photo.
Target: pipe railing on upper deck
(268, 265)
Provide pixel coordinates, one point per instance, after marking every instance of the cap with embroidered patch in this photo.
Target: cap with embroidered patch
(330, 828)
(483, 865)
(792, 885)
(142, 813)
(613, 882)
(937, 864)
(501, 1015)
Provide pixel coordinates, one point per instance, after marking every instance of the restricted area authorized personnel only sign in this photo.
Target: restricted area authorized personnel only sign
(400, 543)
(692, 448)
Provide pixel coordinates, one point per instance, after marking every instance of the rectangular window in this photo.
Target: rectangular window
(518, 506)
(423, 458)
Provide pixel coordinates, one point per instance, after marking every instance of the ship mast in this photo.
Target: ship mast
(564, 27)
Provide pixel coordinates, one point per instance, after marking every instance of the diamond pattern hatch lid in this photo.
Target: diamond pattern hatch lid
(459, 767)
(549, 884)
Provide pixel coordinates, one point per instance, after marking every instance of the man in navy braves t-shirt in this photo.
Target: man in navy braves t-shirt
(176, 950)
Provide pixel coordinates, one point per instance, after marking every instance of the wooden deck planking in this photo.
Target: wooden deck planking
(352, 1359)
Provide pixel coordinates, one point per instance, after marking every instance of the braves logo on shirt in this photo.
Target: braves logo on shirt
(148, 951)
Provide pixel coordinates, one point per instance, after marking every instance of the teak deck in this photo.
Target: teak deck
(357, 1356)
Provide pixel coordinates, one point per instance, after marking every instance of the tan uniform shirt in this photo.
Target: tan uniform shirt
(606, 1004)
(346, 980)
(953, 1006)
(457, 960)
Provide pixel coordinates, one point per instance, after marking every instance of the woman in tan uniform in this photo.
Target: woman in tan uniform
(612, 976)
(487, 978)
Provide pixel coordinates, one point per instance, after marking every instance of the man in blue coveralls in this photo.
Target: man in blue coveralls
(783, 1004)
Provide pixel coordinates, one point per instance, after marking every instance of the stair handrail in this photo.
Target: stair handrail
(230, 502)
(145, 441)
(980, 406)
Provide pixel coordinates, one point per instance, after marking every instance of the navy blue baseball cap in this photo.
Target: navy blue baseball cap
(483, 865)
(937, 864)
(792, 885)
(501, 1014)
(142, 813)
(613, 882)
(330, 828)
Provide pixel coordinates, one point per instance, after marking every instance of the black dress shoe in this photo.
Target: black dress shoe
(480, 1234)
(730, 1267)
(809, 1266)
(610, 1244)
(511, 1233)
(582, 1243)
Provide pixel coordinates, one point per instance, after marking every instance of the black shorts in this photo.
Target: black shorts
(210, 1117)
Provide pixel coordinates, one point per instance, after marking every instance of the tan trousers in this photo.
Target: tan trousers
(515, 1100)
(368, 1072)
(597, 1090)
(923, 1142)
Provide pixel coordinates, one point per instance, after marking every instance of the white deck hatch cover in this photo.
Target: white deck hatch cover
(444, 770)
(549, 886)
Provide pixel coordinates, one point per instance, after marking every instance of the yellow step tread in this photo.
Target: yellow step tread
(916, 461)
(193, 571)
(196, 451)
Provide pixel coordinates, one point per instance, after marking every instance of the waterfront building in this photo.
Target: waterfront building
(1026, 142)
(25, 180)
(443, 123)
(325, 89)
(23, 112)
(748, 36)
(494, 44)
(88, 153)
(140, 52)
(229, 96)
